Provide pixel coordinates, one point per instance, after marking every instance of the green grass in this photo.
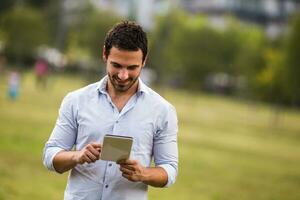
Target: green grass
(229, 149)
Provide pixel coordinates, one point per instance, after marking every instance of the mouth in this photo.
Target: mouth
(122, 83)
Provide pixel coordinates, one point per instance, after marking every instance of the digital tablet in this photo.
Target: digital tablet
(116, 147)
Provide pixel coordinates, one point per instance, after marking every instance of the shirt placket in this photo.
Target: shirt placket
(116, 130)
(106, 187)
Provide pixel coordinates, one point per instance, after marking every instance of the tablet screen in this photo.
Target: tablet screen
(116, 147)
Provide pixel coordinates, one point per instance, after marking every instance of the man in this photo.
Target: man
(119, 104)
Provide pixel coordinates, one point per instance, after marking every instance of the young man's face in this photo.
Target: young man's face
(123, 68)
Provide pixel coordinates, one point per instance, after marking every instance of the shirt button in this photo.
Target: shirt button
(106, 186)
(117, 121)
(109, 164)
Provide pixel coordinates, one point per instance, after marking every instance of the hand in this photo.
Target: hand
(90, 153)
(132, 170)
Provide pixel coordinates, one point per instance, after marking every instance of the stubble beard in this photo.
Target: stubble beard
(121, 88)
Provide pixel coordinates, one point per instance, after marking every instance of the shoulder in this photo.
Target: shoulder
(163, 111)
(82, 94)
(155, 99)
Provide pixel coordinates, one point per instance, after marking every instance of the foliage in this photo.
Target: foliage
(292, 62)
(185, 49)
(9, 4)
(189, 49)
(279, 80)
(88, 33)
(6, 5)
(24, 29)
(269, 82)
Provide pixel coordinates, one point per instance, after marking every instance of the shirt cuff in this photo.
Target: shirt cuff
(171, 172)
(49, 155)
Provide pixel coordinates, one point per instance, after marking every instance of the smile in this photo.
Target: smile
(119, 82)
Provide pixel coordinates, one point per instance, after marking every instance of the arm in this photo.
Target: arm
(66, 160)
(63, 136)
(165, 149)
(134, 171)
(58, 155)
(165, 156)
(155, 176)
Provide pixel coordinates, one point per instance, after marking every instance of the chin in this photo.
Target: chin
(121, 88)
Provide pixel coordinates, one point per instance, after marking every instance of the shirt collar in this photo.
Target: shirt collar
(102, 85)
(142, 88)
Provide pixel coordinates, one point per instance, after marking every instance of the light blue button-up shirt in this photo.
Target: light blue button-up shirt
(87, 114)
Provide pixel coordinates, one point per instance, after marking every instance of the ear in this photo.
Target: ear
(144, 63)
(103, 54)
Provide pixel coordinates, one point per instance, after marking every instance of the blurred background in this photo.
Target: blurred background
(230, 67)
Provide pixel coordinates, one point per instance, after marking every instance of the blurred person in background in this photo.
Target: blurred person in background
(119, 104)
(41, 70)
(13, 84)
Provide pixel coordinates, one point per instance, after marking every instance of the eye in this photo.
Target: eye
(115, 65)
(133, 67)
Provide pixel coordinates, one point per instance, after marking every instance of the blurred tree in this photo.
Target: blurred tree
(51, 13)
(24, 29)
(186, 49)
(89, 32)
(50, 9)
(249, 43)
(159, 41)
(292, 62)
(250, 57)
(199, 53)
(37, 3)
(269, 81)
(6, 5)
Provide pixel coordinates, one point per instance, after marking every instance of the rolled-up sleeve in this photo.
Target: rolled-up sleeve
(64, 134)
(165, 145)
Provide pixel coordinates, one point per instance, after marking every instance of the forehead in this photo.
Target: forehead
(125, 56)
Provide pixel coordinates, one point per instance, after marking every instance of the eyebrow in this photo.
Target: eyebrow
(130, 66)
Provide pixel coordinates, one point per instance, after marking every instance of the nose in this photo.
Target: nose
(123, 74)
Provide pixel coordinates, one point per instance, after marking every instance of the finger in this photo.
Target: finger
(99, 149)
(129, 167)
(91, 156)
(127, 176)
(86, 159)
(122, 161)
(130, 162)
(94, 151)
(126, 171)
(127, 162)
(99, 152)
(96, 145)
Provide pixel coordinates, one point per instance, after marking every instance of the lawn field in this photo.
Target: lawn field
(229, 149)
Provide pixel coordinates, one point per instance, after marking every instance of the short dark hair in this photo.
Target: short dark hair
(126, 35)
